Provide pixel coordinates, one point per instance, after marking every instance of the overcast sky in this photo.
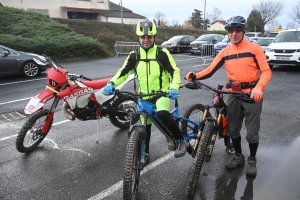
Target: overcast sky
(180, 10)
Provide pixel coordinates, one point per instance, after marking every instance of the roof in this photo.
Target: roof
(220, 21)
(115, 11)
(83, 10)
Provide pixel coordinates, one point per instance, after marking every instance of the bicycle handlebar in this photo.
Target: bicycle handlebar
(154, 94)
(198, 85)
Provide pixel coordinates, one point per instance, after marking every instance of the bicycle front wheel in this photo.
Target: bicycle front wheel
(194, 113)
(199, 158)
(132, 164)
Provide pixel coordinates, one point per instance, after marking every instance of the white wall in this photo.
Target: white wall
(54, 6)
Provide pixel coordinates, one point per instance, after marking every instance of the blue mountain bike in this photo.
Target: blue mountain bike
(198, 126)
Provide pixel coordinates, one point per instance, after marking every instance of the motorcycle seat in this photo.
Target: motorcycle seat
(96, 84)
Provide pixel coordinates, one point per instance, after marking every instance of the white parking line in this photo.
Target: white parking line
(15, 101)
(22, 81)
(12, 136)
(119, 184)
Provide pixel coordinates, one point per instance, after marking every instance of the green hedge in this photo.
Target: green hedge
(37, 33)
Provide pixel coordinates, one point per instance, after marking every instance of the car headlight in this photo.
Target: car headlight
(42, 58)
(270, 50)
(298, 50)
(173, 45)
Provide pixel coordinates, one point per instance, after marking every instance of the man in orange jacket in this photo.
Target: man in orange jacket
(248, 71)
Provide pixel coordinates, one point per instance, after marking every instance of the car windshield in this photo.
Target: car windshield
(205, 38)
(250, 34)
(264, 42)
(288, 36)
(175, 39)
(272, 34)
(225, 39)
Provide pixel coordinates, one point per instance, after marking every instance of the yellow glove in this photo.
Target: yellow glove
(256, 94)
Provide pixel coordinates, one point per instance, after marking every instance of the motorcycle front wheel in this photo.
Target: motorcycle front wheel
(30, 135)
(128, 105)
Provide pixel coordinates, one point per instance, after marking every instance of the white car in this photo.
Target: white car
(254, 35)
(285, 49)
(264, 43)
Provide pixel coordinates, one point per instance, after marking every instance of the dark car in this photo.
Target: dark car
(18, 62)
(178, 43)
(224, 43)
(204, 43)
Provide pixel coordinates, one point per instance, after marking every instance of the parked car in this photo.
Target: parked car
(178, 43)
(224, 43)
(254, 35)
(264, 43)
(285, 49)
(204, 43)
(18, 62)
(272, 34)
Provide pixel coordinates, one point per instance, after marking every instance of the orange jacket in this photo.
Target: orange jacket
(244, 62)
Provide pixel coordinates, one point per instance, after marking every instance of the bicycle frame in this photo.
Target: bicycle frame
(148, 110)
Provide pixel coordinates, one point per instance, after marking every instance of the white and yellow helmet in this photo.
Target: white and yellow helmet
(146, 27)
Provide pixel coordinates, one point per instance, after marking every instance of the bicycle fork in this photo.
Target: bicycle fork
(199, 133)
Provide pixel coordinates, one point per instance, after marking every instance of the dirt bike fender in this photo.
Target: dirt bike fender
(38, 101)
(102, 98)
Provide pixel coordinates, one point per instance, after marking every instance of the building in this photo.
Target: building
(217, 25)
(100, 10)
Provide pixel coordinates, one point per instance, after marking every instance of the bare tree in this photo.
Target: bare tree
(175, 23)
(291, 25)
(269, 10)
(273, 25)
(216, 15)
(160, 18)
(295, 15)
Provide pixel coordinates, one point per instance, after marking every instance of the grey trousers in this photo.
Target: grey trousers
(237, 111)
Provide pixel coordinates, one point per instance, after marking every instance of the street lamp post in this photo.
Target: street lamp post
(204, 14)
(121, 12)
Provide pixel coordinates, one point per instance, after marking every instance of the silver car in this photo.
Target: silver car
(18, 62)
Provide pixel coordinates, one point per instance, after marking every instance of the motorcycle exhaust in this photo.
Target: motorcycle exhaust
(68, 112)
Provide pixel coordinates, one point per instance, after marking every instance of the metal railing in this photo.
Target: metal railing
(123, 48)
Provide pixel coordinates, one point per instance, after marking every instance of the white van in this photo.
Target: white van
(285, 49)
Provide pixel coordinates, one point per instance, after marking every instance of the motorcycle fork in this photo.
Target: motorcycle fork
(49, 119)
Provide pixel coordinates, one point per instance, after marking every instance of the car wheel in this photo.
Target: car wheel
(271, 66)
(30, 69)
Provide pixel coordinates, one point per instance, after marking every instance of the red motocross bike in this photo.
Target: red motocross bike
(82, 98)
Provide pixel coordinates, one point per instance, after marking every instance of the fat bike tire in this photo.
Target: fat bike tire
(199, 158)
(127, 104)
(132, 164)
(30, 135)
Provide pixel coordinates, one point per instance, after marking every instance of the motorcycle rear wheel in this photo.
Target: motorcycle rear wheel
(127, 104)
(30, 135)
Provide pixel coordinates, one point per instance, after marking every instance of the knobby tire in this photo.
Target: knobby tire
(132, 164)
(199, 158)
(128, 104)
(30, 128)
(192, 109)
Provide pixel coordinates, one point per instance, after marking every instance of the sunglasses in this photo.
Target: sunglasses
(237, 29)
(146, 36)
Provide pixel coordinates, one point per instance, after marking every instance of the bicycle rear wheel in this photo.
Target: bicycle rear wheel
(199, 158)
(132, 164)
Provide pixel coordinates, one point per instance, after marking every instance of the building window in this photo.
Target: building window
(81, 15)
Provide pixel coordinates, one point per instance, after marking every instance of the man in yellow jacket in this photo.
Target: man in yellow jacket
(156, 70)
(247, 71)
